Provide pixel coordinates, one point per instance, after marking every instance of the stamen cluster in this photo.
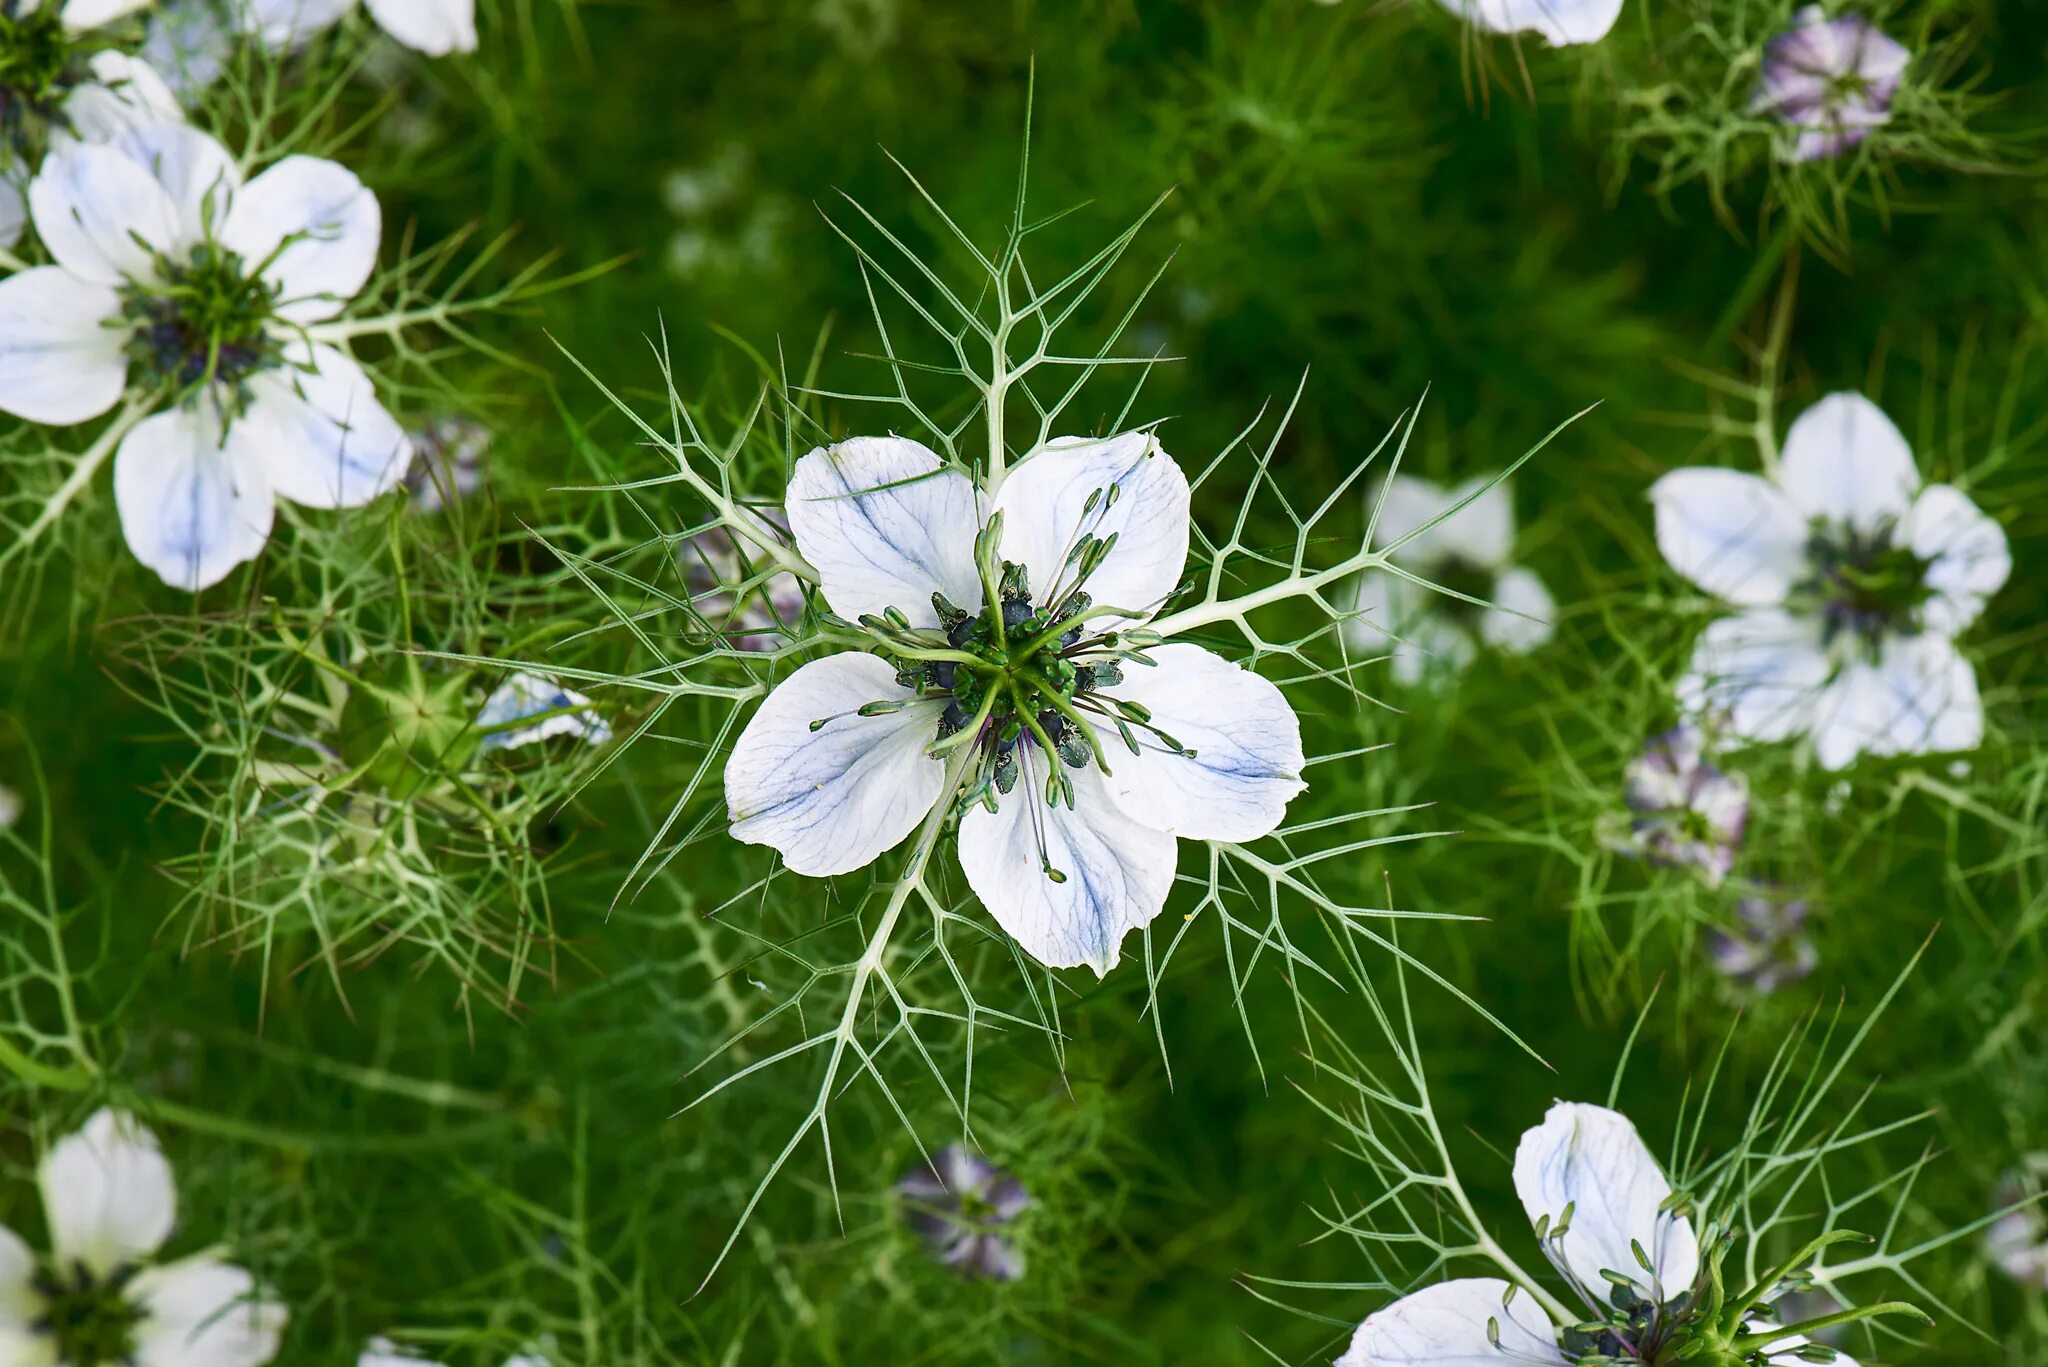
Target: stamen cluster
(91, 1319)
(1865, 584)
(203, 322)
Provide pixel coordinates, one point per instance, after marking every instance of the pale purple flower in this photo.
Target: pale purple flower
(2018, 1239)
(1767, 947)
(1685, 811)
(759, 616)
(448, 462)
(962, 1206)
(1831, 79)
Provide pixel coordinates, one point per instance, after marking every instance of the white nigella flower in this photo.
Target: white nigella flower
(761, 616)
(1469, 552)
(962, 1206)
(2017, 1241)
(382, 1352)
(1830, 81)
(1559, 22)
(448, 462)
(560, 712)
(1007, 673)
(435, 27)
(1685, 811)
(190, 42)
(99, 1297)
(177, 282)
(1851, 582)
(10, 807)
(1767, 947)
(1609, 1222)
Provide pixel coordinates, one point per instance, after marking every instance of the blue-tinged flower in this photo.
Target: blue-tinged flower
(1830, 80)
(1685, 811)
(177, 281)
(435, 27)
(100, 1296)
(559, 711)
(1767, 947)
(963, 1206)
(1851, 582)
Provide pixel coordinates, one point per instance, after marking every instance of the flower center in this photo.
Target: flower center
(35, 66)
(1866, 587)
(91, 1320)
(204, 323)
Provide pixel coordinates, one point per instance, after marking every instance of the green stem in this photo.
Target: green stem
(1749, 1343)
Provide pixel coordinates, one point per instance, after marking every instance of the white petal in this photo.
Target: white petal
(20, 1303)
(1847, 462)
(1735, 535)
(26, 1348)
(1247, 742)
(1560, 22)
(1519, 619)
(885, 524)
(435, 27)
(1045, 507)
(193, 506)
(1763, 668)
(125, 94)
(107, 1193)
(1592, 1159)
(204, 1313)
(1919, 698)
(1481, 534)
(382, 1352)
(61, 357)
(326, 441)
(1967, 554)
(287, 23)
(837, 798)
(13, 209)
(91, 204)
(529, 695)
(80, 15)
(1117, 872)
(189, 44)
(1446, 1326)
(194, 170)
(316, 226)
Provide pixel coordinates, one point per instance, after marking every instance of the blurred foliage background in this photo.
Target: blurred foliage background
(1365, 193)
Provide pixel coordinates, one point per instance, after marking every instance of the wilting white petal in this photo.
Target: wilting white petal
(1116, 872)
(885, 524)
(530, 695)
(834, 798)
(1968, 559)
(1519, 619)
(1046, 507)
(316, 226)
(80, 15)
(197, 173)
(1735, 535)
(1247, 759)
(1763, 668)
(125, 94)
(204, 1313)
(107, 1193)
(1446, 1326)
(1560, 22)
(435, 27)
(1846, 461)
(61, 355)
(1919, 698)
(99, 212)
(193, 505)
(1591, 1159)
(327, 442)
(1481, 534)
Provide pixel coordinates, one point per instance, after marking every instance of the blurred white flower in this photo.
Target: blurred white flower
(100, 1296)
(175, 277)
(10, 807)
(1852, 582)
(1470, 552)
(1767, 947)
(769, 602)
(190, 41)
(560, 712)
(382, 1352)
(435, 27)
(1011, 656)
(1686, 811)
(1600, 1205)
(2017, 1241)
(1830, 80)
(962, 1206)
(448, 462)
(1559, 22)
